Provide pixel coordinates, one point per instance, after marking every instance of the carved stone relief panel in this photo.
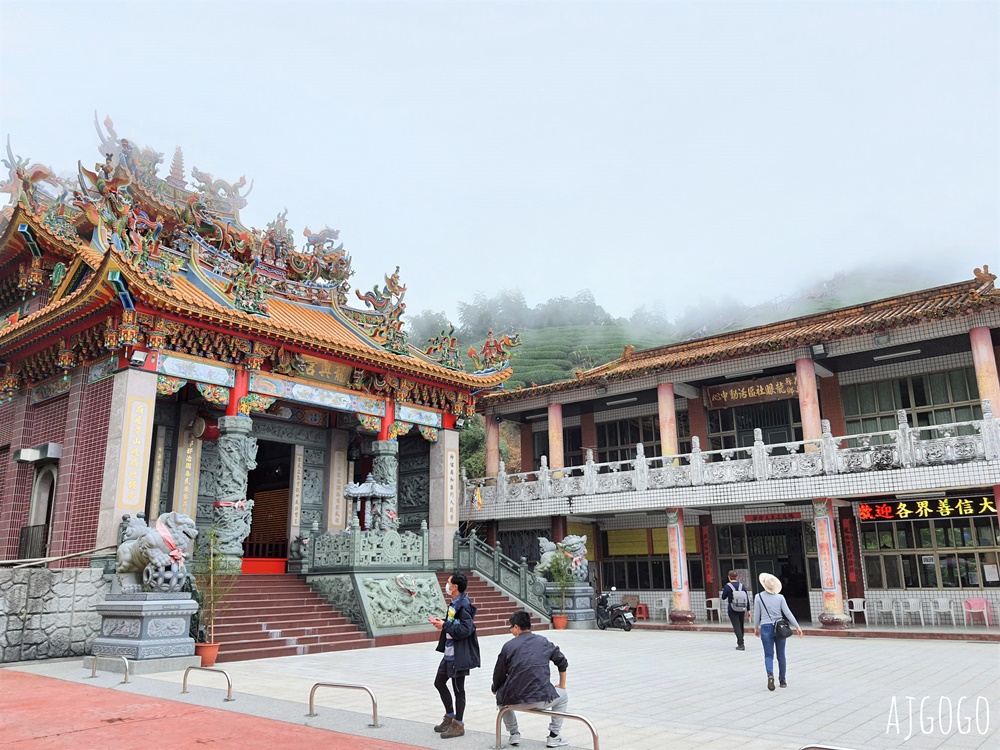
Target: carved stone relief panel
(281, 432)
(414, 482)
(208, 486)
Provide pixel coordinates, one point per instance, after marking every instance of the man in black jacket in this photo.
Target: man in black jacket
(460, 646)
(521, 678)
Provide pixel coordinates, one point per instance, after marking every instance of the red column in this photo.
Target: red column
(829, 565)
(680, 610)
(559, 528)
(492, 445)
(556, 458)
(708, 557)
(388, 420)
(527, 448)
(491, 533)
(805, 374)
(854, 580)
(668, 419)
(832, 407)
(698, 421)
(986, 366)
(240, 389)
(588, 432)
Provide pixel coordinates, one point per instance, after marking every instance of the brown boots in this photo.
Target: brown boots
(457, 729)
(446, 722)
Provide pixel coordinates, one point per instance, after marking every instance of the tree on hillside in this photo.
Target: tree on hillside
(504, 313)
(426, 325)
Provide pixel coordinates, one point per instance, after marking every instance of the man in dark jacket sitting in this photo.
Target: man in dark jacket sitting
(460, 646)
(521, 678)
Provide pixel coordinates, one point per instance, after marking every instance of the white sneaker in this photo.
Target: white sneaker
(559, 741)
(515, 739)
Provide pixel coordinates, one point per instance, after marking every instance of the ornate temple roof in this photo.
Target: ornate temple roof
(886, 314)
(183, 253)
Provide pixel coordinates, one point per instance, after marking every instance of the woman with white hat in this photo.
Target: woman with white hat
(771, 606)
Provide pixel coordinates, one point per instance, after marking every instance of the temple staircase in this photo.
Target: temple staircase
(280, 615)
(493, 608)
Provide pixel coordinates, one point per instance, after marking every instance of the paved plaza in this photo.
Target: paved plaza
(643, 690)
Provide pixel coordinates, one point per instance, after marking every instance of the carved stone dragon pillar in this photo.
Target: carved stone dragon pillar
(231, 514)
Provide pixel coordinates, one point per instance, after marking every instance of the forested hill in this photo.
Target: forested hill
(565, 334)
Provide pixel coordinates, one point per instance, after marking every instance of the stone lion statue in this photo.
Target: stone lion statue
(575, 547)
(156, 553)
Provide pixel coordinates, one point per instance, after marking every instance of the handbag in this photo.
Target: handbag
(782, 629)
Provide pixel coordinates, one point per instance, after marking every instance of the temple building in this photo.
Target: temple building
(853, 453)
(158, 355)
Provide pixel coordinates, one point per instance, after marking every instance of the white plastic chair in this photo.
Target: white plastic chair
(912, 607)
(940, 608)
(854, 607)
(882, 608)
(713, 605)
(660, 604)
(973, 607)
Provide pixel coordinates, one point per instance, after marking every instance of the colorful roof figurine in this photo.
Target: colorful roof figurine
(176, 253)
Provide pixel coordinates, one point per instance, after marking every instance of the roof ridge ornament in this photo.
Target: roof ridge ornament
(984, 274)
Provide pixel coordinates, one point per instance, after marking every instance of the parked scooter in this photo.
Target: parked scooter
(617, 616)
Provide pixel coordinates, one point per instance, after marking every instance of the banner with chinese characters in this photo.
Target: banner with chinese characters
(757, 391)
(911, 510)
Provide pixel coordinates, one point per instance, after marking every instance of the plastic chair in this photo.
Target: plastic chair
(663, 604)
(911, 607)
(855, 607)
(713, 605)
(882, 608)
(973, 607)
(940, 608)
(641, 611)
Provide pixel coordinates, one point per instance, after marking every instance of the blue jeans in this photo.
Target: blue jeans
(769, 641)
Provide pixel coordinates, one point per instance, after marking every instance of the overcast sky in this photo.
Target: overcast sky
(651, 152)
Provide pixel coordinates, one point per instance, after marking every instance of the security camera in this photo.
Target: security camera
(497, 418)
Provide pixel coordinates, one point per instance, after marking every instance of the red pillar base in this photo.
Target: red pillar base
(830, 621)
(682, 616)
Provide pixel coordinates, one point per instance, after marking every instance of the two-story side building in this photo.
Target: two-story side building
(852, 453)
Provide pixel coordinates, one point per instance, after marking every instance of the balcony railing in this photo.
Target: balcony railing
(903, 448)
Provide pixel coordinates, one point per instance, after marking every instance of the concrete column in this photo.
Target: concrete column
(337, 506)
(126, 460)
(805, 374)
(187, 466)
(680, 610)
(492, 445)
(668, 419)
(986, 366)
(832, 405)
(557, 459)
(527, 448)
(833, 616)
(442, 520)
(295, 481)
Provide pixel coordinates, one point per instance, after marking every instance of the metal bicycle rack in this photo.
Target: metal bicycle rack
(312, 695)
(229, 682)
(93, 666)
(546, 712)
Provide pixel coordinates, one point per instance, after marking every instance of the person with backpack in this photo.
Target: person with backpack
(772, 623)
(739, 606)
(460, 646)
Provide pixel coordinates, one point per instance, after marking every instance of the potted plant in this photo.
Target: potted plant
(561, 572)
(215, 576)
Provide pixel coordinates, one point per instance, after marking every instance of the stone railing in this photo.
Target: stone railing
(903, 448)
(353, 548)
(472, 553)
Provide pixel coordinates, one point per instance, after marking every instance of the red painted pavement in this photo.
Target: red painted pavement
(43, 713)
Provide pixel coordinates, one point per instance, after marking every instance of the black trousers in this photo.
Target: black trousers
(737, 619)
(446, 671)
